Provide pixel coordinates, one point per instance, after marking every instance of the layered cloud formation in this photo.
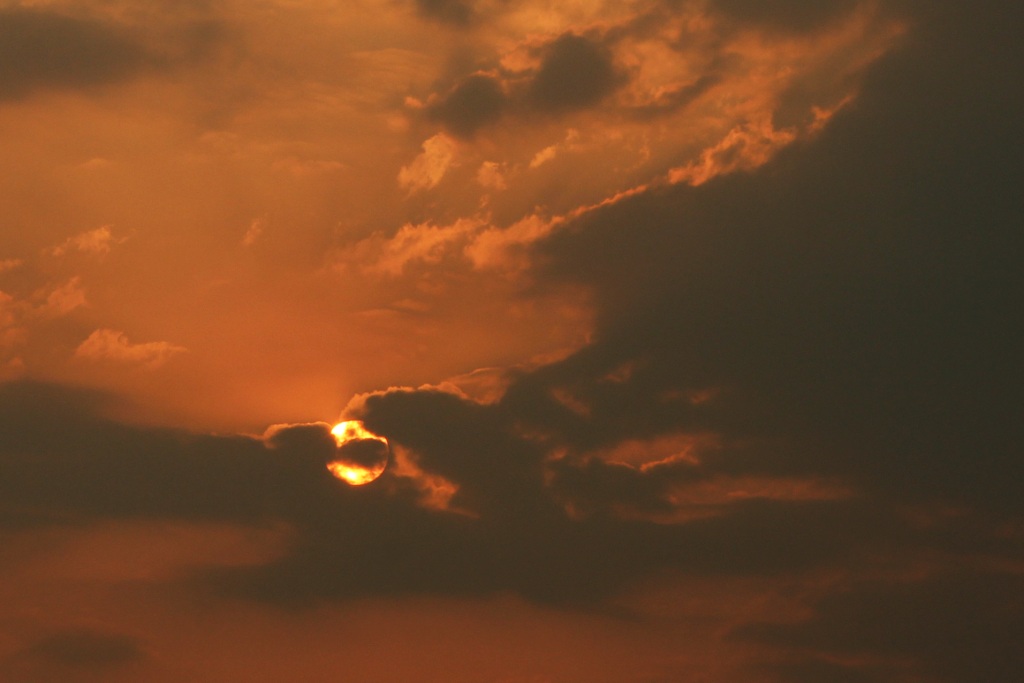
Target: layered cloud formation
(753, 386)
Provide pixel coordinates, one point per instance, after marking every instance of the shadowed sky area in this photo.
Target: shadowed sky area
(693, 329)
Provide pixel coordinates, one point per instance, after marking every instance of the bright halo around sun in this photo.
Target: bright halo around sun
(362, 456)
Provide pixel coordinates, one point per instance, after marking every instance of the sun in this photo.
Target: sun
(361, 457)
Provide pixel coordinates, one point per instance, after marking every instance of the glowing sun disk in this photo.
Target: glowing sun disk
(362, 456)
(353, 429)
(350, 474)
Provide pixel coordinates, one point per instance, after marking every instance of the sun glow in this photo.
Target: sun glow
(353, 429)
(362, 456)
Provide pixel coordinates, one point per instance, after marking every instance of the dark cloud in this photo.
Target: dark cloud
(84, 649)
(576, 72)
(518, 537)
(61, 460)
(957, 626)
(40, 49)
(473, 103)
(63, 463)
(598, 486)
(850, 302)
(363, 452)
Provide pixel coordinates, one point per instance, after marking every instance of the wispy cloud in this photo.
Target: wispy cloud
(96, 242)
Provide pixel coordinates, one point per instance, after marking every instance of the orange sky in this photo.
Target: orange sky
(690, 324)
(267, 213)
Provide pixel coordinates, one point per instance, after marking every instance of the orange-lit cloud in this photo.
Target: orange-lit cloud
(252, 233)
(63, 299)
(427, 169)
(96, 242)
(112, 345)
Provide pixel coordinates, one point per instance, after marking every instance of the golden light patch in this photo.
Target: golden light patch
(362, 456)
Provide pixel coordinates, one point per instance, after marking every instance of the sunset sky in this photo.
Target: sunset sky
(695, 329)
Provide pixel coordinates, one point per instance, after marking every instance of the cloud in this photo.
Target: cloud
(470, 242)
(544, 156)
(502, 248)
(744, 147)
(425, 243)
(491, 175)
(97, 242)
(64, 299)
(954, 624)
(41, 49)
(575, 72)
(567, 73)
(804, 372)
(84, 649)
(473, 103)
(819, 296)
(427, 169)
(512, 536)
(253, 233)
(12, 337)
(152, 474)
(112, 345)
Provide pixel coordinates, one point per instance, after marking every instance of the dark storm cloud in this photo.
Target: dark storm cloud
(853, 300)
(40, 49)
(575, 72)
(474, 102)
